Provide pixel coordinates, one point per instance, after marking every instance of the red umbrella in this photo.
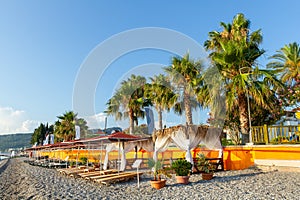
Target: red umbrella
(115, 137)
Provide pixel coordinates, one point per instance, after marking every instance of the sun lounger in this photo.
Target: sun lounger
(64, 170)
(96, 177)
(96, 173)
(74, 171)
(117, 178)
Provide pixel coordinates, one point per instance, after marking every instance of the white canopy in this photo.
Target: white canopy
(188, 138)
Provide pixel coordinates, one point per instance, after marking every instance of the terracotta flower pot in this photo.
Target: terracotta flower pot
(158, 184)
(207, 176)
(182, 179)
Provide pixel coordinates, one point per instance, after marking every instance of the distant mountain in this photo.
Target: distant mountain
(19, 140)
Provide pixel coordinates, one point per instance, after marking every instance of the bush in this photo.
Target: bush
(182, 167)
(83, 160)
(205, 165)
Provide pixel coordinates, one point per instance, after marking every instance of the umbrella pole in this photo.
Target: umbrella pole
(88, 154)
(101, 146)
(77, 157)
(118, 157)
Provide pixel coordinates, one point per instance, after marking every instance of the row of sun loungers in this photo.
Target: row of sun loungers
(47, 163)
(99, 176)
(88, 173)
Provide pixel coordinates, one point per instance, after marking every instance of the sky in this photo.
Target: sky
(44, 45)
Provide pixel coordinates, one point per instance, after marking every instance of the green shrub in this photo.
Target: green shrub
(158, 169)
(83, 160)
(205, 165)
(182, 167)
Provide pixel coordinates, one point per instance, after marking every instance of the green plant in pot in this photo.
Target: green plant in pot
(158, 171)
(182, 170)
(206, 167)
(83, 160)
(72, 164)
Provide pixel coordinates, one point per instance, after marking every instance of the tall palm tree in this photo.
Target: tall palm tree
(159, 91)
(127, 102)
(235, 51)
(184, 72)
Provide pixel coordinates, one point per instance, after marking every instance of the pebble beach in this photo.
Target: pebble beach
(19, 180)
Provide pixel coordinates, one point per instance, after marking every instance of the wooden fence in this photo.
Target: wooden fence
(275, 134)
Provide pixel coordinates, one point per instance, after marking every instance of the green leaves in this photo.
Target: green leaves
(65, 126)
(286, 63)
(182, 167)
(158, 169)
(235, 51)
(128, 100)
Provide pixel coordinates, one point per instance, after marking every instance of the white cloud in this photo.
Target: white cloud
(28, 126)
(96, 121)
(15, 121)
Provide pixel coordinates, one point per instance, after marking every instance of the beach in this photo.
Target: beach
(19, 180)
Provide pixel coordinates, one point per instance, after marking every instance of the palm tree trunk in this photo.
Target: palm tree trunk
(131, 121)
(187, 107)
(244, 120)
(159, 111)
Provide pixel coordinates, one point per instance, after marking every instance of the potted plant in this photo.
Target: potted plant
(158, 170)
(182, 170)
(207, 169)
(83, 160)
(72, 164)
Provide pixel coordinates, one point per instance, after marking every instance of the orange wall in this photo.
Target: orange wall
(241, 157)
(234, 157)
(238, 157)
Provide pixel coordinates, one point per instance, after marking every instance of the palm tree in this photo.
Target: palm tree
(161, 95)
(287, 63)
(65, 126)
(127, 102)
(235, 51)
(184, 72)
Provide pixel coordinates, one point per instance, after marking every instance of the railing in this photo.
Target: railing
(275, 134)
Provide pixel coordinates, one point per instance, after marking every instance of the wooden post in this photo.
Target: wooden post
(266, 137)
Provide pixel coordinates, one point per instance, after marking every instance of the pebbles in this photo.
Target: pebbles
(22, 181)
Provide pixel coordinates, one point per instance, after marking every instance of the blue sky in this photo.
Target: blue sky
(44, 43)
